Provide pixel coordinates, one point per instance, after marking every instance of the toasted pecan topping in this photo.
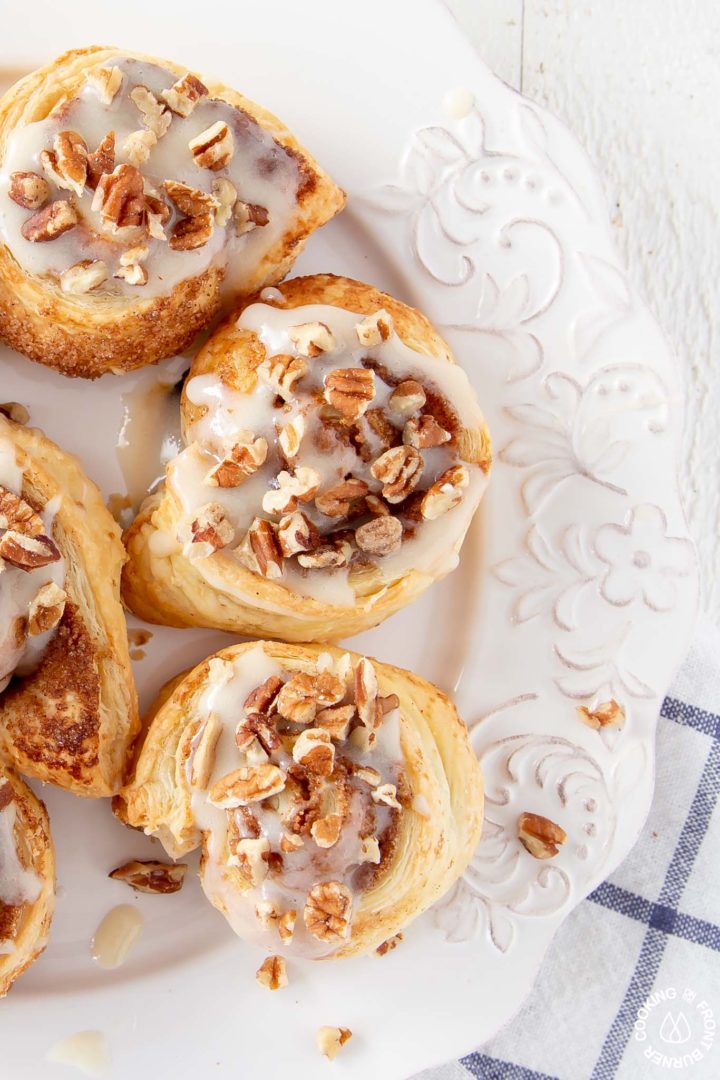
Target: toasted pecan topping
(407, 398)
(281, 372)
(445, 493)
(540, 836)
(423, 432)
(312, 338)
(84, 276)
(333, 553)
(183, 96)
(381, 536)
(225, 195)
(335, 501)
(214, 147)
(28, 190)
(149, 876)
(249, 216)
(156, 116)
(374, 329)
(46, 609)
(330, 1040)
(260, 551)
(210, 530)
(244, 459)
(328, 910)
(303, 694)
(247, 785)
(119, 197)
(609, 714)
(28, 552)
(101, 161)
(350, 391)
(400, 471)
(17, 514)
(263, 697)
(314, 750)
(296, 533)
(302, 485)
(49, 223)
(272, 973)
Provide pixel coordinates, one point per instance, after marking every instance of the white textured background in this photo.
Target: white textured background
(638, 81)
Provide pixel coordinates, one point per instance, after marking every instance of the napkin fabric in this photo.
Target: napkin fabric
(635, 970)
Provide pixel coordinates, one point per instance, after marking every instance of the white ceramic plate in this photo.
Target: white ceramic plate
(576, 584)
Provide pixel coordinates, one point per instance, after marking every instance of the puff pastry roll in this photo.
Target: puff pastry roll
(334, 797)
(27, 877)
(68, 711)
(135, 198)
(335, 457)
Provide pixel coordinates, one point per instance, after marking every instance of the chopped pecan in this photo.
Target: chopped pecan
(445, 493)
(46, 609)
(286, 922)
(370, 850)
(106, 82)
(386, 431)
(336, 720)
(330, 1040)
(325, 831)
(400, 470)
(249, 216)
(214, 147)
(609, 714)
(49, 223)
(350, 391)
(244, 459)
(281, 372)
(389, 945)
(423, 432)
(136, 254)
(101, 161)
(28, 552)
(387, 794)
(183, 96)
(334, 553)
(301, 485)
(66, 163)
(132, 275)
(204, 757)
(366, 694)
(119, 197)
(289, 843)
(314, 750)
(149, 876)
(247, 785)
(210, 531)
(156, 206)
(84, 276)
(260, 551)
(156, 116)
(291, 436)
(17, 514)
(225, 195)
(381, 536)
(272, 973)
(540, 836)
(374, 329)
(189, 200)
(312, 338)
(260, 728)
(377, 506)
(407, 398)
(368, 775)
(303, 694)
(249, 857)
(328, 911)
(262, 698)
(192, 232)
(335, 502)
(297, 533)
(28, 190)
(137, 147)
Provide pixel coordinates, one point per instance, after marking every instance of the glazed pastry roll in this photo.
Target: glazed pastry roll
(335, 458)
(334, 797)
(135, 198)
(27, 877)
(68, 711)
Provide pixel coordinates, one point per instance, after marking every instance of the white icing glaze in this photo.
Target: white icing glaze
(262, 172)
(231, 683)
(19, 587)
(458, 103)
(18, 884)
(116, 935)
(87, 1051)
(431, 547)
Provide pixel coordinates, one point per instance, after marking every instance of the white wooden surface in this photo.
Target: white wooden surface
(638, 82)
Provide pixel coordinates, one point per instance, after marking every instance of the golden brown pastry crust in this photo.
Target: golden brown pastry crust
(27, 925)
(169, 589)
(430, 850)
(90, 335)
(73, 720)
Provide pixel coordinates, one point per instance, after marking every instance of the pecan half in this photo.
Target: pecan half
(214, 147)
(540, 836)
(183, 96)
(249, 216)
(28, 552)
(28, 190)
(609, 714)
(46, 610)
(281, 372)
(381, 536)
(148, 876)
(49, 223)
(445, 493)
(303, 694)
(335, 502)
(260, 550)
(101, 161)
(350, 391)
(374, 329)
(258, 727)
(328, 911)
(247, 785)
(400, 470)
(312, 338)
(296, 533)
(407, 398)
(84, 276)
(314, 750)
(272, 973)
(119, 197)
(423, 432)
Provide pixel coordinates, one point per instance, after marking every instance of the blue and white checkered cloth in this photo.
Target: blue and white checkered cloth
(630, 987)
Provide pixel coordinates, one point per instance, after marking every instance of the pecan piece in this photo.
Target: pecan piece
(49, 223)
(66, 163)
(106, 82)
(424, 432)
(369, 707)
(312, 338)
(374, 329)
(296, 533)
(381, 536)
(183, 96)
(156, 117)
(389, 945)
(336, 720)
(16, 514)
(407, 398)
(132, 275)
(213, 148)
(400, 470)
(445, 493)
(387, 794)
(262, 698)
(325, 831)
(28, 190)
(119, 197)
(46, 609)
(250, 857)
(291, 436)
(260, 551)
(330, 1040)
(272, 973)
(101, 161)
(247, 785)
(137, 147)
(28, 552)
(303, 694)
(225, 196)
(386, 431)
(148, 876)
(192, 232)
(84, 276)
(210, 531)
(281, 372)
(249, 216)
(350, 391)
(189, 200)
(314, 750)
(609, 714)
(335, 502)
(244, 459)
(328, 911)
(302, 485)
(334, 553)
(540, 836)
